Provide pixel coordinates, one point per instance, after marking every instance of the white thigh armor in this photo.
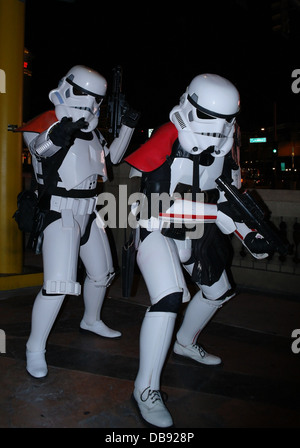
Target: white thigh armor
(160, 266)
(60, 253)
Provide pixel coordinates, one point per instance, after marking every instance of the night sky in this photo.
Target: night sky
(161, 46)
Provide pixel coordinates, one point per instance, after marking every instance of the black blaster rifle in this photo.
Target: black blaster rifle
(117, 105)
(253, 216)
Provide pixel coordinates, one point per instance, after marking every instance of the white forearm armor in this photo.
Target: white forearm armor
(119, 145)
(41, 145)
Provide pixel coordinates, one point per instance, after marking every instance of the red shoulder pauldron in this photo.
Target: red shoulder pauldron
(152, 154)
(40, 123)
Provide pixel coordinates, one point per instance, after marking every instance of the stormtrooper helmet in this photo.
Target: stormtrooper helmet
(79, 95)
(205, 116)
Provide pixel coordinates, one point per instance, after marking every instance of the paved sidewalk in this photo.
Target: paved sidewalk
(90, 379)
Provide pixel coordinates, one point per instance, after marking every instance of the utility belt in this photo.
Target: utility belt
(79, 206)
(81, 202)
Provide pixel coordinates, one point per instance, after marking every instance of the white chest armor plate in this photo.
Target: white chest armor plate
(182, 172)
(83, 162)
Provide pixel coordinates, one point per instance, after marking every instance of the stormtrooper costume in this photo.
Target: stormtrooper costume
(186, 156)
(72, 227)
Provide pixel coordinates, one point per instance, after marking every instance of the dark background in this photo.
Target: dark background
(162, 46)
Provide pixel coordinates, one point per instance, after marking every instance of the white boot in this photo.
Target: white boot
(36, 364)
(197, 353)
(44, 313)
(93, 295)
(197, 315)
(155, 338)
(99, 327)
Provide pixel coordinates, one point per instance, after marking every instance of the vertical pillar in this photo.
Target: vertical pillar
(12, 18)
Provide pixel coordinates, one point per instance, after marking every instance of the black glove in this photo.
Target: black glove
(62, 134)
(130, 118)
(258, 245)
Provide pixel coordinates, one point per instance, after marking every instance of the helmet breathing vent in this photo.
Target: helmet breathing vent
(180, 120)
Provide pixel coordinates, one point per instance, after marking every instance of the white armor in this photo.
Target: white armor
(205, 126)
(73, 227)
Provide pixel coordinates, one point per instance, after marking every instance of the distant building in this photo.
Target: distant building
(270, 158)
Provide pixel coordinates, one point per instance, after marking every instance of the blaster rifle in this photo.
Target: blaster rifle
(252, 215)
(117, 105)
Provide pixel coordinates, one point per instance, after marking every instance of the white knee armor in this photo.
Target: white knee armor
(163, 275)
